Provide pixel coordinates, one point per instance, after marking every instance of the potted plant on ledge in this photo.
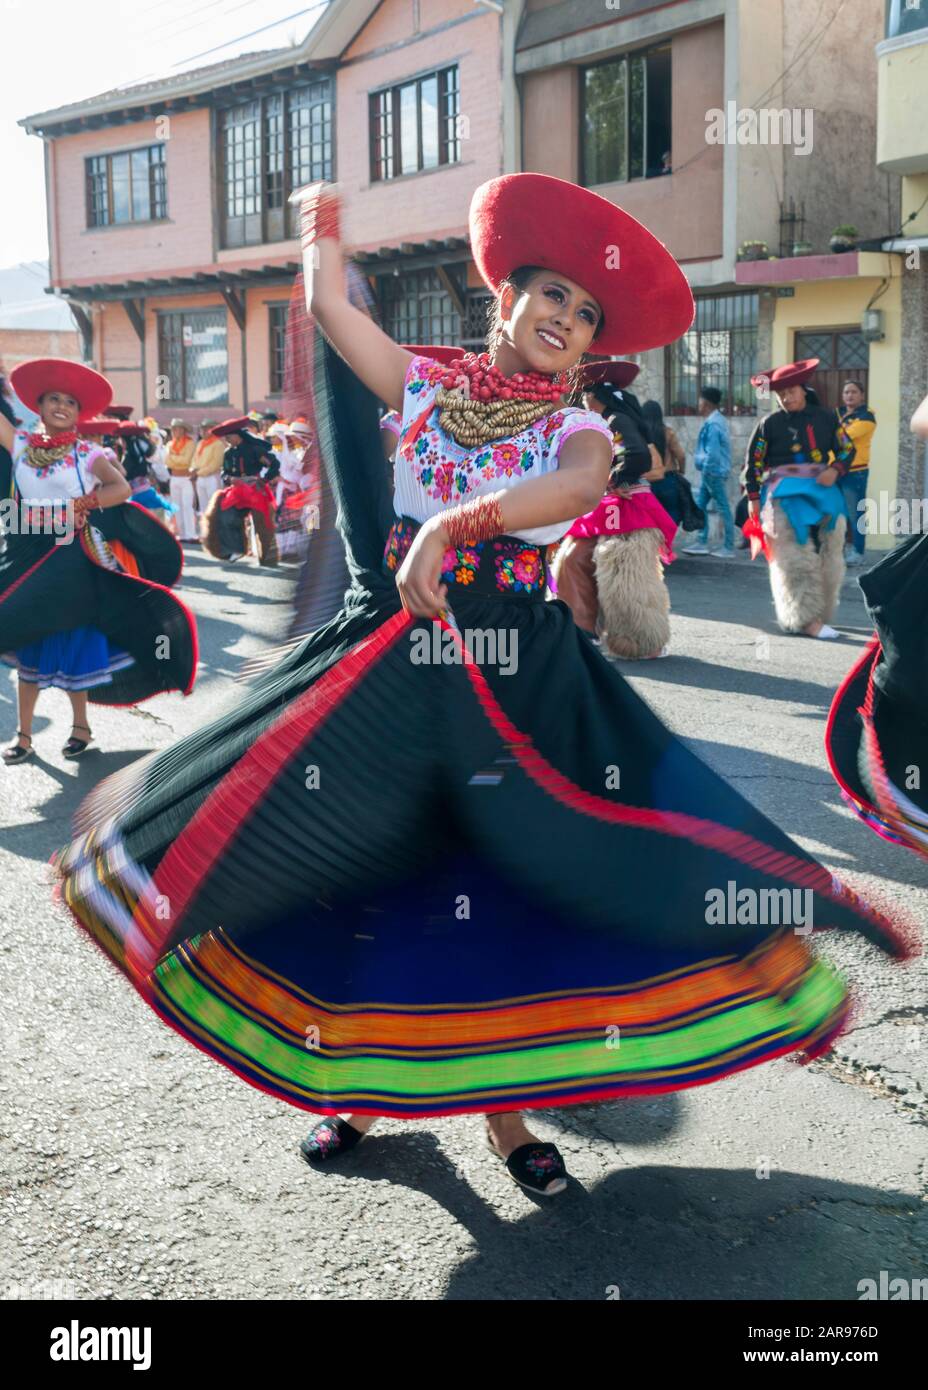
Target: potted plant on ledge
(844, 238)
(753, 251)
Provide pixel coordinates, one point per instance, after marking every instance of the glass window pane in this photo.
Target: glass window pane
(429, 98)
(815, 345)
(636, 118)
(121, 208)
(853, 351)
(141, 189)
(605, 152)
(206, 359)
(409, 129)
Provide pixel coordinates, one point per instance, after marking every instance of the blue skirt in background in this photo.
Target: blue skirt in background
(75, 660)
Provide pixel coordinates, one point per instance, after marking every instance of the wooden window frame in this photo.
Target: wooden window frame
(157, 186)
(386, 100)
(279, 223)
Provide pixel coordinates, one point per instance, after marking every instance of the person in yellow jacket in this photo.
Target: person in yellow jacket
(183, 494)
(859, 423)
(207, 463)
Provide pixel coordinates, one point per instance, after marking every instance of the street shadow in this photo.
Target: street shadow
(657, 1232)
(39, 839)
(804, 798)
(693, 672)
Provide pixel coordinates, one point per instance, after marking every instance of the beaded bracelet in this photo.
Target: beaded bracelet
(88, 502)
(479, 520)
(320, 214)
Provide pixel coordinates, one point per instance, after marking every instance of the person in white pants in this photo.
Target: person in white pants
(183, 493)
(207, 464)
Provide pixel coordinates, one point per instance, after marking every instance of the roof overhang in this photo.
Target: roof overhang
(323, 45)
(199, 281)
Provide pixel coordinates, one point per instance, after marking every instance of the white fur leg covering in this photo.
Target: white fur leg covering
(833, 567)
(633, 600)
(796, 576)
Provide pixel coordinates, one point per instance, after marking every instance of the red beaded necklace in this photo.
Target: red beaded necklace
(476, 377)
(53, 441)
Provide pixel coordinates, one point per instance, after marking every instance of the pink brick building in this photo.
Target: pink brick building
(170, 231)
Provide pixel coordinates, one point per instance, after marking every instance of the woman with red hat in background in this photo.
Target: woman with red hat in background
(248, 468)
(608, 568)
(138, 453)
(792, 488)
(442, 859)
(83, 602)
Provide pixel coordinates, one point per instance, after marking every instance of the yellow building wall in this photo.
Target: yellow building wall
(832, 304)
(902, 133)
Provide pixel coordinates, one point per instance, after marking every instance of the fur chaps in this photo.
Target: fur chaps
(805, 582)
(218, 528)
(634, 605)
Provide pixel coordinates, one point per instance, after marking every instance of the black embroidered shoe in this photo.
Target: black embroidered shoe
(537, 1167)
(331, 1138)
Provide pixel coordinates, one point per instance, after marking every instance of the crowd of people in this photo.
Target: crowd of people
(285, 886)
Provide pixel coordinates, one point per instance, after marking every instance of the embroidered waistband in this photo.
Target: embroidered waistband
(794, 470)
(505, 565)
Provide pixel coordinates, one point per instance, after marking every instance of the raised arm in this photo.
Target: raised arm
(919, 423)
(370, 353)
(7, 433)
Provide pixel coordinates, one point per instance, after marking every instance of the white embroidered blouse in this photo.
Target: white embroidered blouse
(433, 471)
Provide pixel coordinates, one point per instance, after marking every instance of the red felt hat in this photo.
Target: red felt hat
(105, 425)
(121, 412)
(438, 352)
(31, 380)
(130, 428)
(616, 373)
(793, 374)
(534, 219)
(242, 424)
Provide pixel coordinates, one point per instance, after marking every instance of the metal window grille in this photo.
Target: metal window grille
(418, 309)
(415, 125)
(277, 335)
(474, 327)
(844, 355)
(719, 350)
(193, 357)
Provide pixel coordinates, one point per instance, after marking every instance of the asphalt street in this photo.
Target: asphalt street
(133, 1166)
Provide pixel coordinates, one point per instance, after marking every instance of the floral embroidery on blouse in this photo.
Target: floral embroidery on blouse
(432, 471)
(429, 374)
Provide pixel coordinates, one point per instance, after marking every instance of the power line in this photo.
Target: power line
(200, 22)
(320, 5)
(758, 101)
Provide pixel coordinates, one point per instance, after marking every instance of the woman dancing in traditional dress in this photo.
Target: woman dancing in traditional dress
(396, 881)
(83, 602)
(792, 488)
